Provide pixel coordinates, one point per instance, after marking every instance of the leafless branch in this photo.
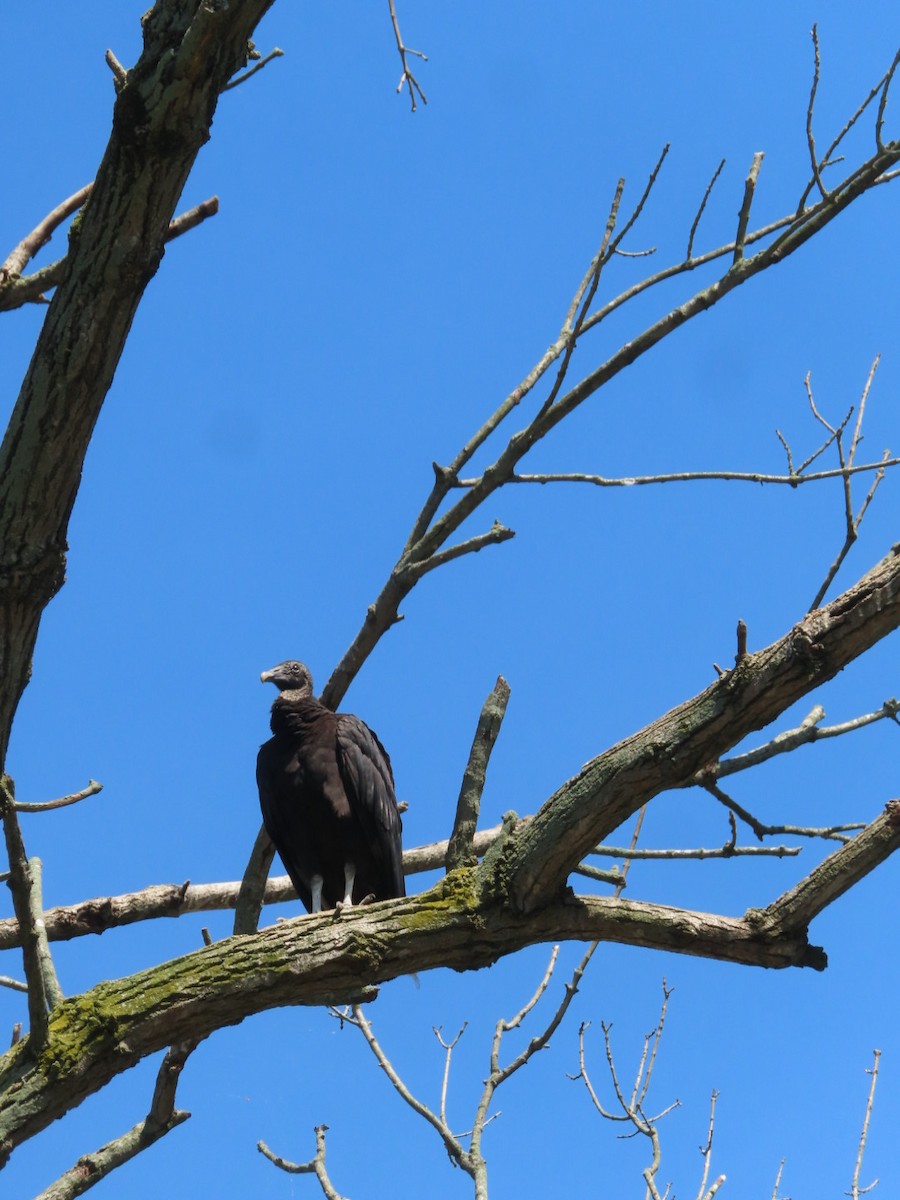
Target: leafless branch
(436, 524)
(778, 1175)
(30, 289)
(263, 62)
(809, 730)
(810, 140)
(448, 1048)
(315, 1166)
(403, 50)
(882, 103)
(740, 238)
(253, 889)
(633, 1107)
(14, 985)
(689, 253)
(792, 479)
(700, 852)
(496, 534)
(452, 1144)
(120, 75)
(855, 1190)
(836, 833)
(19, 258)
(25, 884)
(92, 789)
(461, 850)
(161, 1118)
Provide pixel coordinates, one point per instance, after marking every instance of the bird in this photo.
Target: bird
(326, 790)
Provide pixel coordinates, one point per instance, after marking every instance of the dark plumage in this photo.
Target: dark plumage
(326, 791)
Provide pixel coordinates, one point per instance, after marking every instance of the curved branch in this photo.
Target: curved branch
(317, 960)
(670, 752)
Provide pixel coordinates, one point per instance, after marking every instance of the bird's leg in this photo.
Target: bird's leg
(315, 887)
(349, 876)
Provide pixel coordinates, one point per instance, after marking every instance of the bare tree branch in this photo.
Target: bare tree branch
(263, 62)
(160, 1120)
(25, 884)
(403, 50)
(461, 848)
(315, 1166)
(855, 1190)
(92, 789)
(26, 250)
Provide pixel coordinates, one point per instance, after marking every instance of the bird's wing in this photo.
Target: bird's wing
(280, 819)
(369, 784)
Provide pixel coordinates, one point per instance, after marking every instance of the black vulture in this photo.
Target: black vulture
(326, 791)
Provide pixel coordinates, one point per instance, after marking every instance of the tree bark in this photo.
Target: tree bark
(161, 118)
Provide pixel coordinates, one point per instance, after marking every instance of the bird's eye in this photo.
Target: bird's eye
(295, 667)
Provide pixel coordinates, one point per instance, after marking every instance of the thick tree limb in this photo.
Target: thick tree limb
(463, 923)
(163, 900)
(161, 119)
(317, 960)
(161, 1118)
(668, 753)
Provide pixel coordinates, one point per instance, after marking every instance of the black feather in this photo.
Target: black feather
(326, 790)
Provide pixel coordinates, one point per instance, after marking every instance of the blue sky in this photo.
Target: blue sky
(374, 284)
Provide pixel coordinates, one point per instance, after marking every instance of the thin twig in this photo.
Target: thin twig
(809, 730)
(744, 214)
(315, 1166)
(810, 139)
(30, 289)
(449, 1047)
(263, 62)
(696, 222)
(120, 75)
(855, 1190)
(836, 833)
(699, 853)
(407, 77)
(29, 246)
(92, 789)
(793, 480)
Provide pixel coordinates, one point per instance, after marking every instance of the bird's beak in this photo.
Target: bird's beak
(267, 675)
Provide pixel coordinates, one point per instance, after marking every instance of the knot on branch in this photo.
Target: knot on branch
(35, 574)
(445, 475)
(808, 651)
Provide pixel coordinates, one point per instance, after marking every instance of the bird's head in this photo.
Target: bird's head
(290, 676)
